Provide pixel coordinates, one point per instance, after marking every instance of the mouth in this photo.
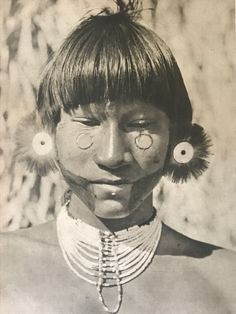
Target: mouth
(111, 182)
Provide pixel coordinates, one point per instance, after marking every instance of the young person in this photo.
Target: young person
(115, 117)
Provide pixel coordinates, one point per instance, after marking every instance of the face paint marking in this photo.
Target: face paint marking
(84, 141)
(85, 173)
(143, 141)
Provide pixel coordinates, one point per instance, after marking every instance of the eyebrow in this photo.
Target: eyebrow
(84, 109)
(95, 110)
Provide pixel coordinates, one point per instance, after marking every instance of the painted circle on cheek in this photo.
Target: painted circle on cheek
(84, 141)
(143, 141)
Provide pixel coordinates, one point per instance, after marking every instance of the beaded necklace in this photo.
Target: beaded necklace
(103, 258)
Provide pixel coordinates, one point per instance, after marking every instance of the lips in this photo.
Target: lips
(111, 182)
(113, 190)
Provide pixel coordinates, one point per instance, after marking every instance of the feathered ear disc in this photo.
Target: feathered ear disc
(188, 158)
(35, 145)
(183, 152)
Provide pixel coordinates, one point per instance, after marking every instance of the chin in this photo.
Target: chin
(111, 209)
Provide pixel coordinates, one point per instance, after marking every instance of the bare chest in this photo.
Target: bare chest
(167, 286)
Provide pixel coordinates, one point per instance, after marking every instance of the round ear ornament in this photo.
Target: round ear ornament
(35, 146)
(188, 158)
(183, 152)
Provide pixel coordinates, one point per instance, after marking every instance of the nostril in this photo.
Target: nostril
(114, 162)
(113, 151)
(115, 170)
(110, 164)
(111, 169)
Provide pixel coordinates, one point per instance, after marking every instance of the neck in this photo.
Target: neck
(139, 216)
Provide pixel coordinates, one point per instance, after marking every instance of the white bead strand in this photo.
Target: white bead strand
(103, 258)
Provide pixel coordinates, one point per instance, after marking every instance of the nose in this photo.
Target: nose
(113, 151)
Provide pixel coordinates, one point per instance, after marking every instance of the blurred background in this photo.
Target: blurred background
(201, 36)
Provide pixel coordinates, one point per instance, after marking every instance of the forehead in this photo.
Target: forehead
(121, 110)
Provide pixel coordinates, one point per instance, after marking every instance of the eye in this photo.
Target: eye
(86, 121)
(140, 124)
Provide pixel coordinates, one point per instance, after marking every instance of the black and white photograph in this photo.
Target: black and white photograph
(117, 157)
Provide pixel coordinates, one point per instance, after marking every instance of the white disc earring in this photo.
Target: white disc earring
(188, 158)
(84, 141)
(35, 145)
(42, 143)
(143, 141)
(183, 152)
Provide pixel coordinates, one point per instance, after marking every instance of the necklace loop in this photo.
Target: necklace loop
(103, 258)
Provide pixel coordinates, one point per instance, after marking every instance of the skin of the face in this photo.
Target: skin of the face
(112, 155)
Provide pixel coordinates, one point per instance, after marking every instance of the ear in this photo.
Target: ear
(187, 157)
(35, 145)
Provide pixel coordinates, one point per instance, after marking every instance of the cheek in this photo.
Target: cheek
(151, 157)
(73, 147)
(144, 187)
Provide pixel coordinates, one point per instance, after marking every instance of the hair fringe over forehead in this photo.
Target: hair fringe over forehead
(112, 57)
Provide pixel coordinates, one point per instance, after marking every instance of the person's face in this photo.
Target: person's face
(112, 155)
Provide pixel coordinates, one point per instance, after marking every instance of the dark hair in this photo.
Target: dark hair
(113, 57)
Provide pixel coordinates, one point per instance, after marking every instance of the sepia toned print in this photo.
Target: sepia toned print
(108, 160)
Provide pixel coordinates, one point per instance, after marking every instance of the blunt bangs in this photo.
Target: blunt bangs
(112, 58)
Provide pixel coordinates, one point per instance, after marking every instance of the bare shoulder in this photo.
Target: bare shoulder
(210, 258)
(23, 245)
(27, 257)
(36, 279)
(214, 268)
(225, 259)
(22, 249)
(219, 268)
(41, 233)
